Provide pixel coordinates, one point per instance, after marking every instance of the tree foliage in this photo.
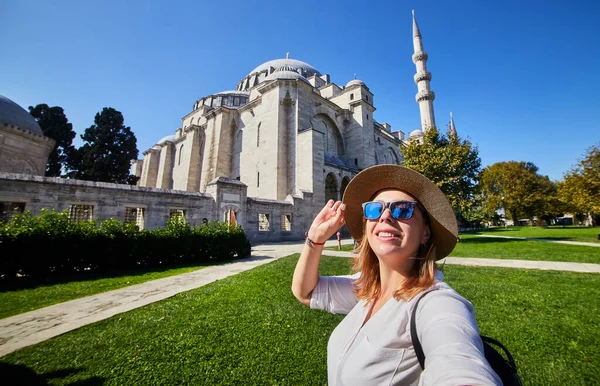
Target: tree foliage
(519, 190)
(108, 150)
(580, 188)
(55, 125)
(451, 163)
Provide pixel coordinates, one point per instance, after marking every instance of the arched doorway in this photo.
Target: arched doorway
(331, 192)
(345, 182)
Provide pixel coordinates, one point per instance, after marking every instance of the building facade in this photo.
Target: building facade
(267, 155)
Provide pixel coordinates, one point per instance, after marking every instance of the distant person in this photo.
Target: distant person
(339, 239)
(403, 223)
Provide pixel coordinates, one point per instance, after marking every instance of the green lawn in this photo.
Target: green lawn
(345, 248)
(487, 247)
(248, 329)
(567, 233)
(17, 301)
(474, 246)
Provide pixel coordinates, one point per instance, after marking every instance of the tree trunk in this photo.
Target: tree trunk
(513, 214)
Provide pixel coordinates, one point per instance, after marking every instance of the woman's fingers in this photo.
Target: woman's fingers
(339, 216)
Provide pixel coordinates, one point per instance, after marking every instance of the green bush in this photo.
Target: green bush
(50, 245)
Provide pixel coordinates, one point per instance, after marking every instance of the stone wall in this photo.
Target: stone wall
(109, 200)
(22, 151)
(112, 200)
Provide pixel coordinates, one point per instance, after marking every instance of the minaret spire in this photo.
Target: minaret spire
(451, 127)
(424, 95)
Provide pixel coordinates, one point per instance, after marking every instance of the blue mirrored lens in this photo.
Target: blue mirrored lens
(373, 210)
(401, 211)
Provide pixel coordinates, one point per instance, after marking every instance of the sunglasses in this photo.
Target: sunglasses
(400, 210)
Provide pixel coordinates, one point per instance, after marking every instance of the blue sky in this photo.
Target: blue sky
(522, 78)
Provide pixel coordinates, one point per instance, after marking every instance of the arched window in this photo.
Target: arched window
(345, 182)
(333, 140)
(393, 158)
(180, 154)
(331, 188)
(258, 135)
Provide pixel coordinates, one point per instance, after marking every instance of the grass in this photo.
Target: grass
(17, 301)
(473, 246)
(567, 233)
(248, 329)
(345, 248)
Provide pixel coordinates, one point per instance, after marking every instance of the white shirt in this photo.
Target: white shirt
(381, 351)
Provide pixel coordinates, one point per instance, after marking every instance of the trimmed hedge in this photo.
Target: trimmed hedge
(49, 245)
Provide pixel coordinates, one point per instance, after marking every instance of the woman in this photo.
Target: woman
(403, 223)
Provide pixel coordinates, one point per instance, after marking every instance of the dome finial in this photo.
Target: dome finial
(287, 55)
(355, 75)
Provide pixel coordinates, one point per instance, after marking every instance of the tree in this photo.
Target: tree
(451, 163)
(55, 125)
(580, 188)
(519, 189)
(108, 151)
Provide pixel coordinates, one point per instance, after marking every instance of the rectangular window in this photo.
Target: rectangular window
(134, 215)
(9, 209)
(81, 213)
(286, 222)
(178, 214)
(263, 222)
(257, 179)
(366, 96)
(352, 96)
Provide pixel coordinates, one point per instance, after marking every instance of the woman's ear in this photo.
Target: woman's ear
(426, 235)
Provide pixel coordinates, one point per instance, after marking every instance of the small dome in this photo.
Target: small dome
(169, 138)
(286, 75)
(13, 114)
(355, 82)
(416, 133)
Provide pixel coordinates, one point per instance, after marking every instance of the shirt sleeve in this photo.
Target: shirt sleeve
(449, 335)
(334, 294)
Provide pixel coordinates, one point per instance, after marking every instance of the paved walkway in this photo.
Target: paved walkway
(36, 326)
(544, 240)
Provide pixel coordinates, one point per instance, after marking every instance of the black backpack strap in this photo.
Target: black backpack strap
(413, 331)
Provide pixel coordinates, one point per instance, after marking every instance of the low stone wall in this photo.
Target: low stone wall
(108, 200)
(113, 200)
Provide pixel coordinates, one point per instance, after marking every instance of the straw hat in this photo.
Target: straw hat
(362, 188)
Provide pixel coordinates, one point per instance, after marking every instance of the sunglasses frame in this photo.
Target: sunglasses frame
(386, 205)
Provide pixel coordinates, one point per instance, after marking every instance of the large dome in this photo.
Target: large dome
(287, 65)
(13, 114)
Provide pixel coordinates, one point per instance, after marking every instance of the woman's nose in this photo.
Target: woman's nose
(386, 215)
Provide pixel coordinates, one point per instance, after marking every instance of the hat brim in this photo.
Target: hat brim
(444, 229)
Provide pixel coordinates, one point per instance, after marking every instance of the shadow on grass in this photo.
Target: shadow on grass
(17, 375)
(24, 282)
(487, 240)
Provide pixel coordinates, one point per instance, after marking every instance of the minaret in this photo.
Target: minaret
(424, 95)
(451, 127)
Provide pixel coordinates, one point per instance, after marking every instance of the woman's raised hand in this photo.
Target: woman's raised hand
(327, 222)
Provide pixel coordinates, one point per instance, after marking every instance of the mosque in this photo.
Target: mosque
(267, 154)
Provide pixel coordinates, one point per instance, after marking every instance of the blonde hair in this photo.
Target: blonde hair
(422, 276)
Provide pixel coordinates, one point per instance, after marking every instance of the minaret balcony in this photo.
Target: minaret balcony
(420, 76)
(425, 95)
(420, 56)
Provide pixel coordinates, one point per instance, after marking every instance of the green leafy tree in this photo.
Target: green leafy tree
(108, 150)
(452, 163)
(518, 189)
(580, 189)
(55, 125)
